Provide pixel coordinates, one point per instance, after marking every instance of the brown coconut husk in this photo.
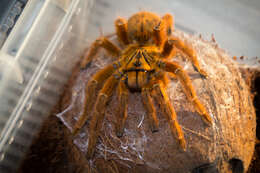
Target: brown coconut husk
(225, 147)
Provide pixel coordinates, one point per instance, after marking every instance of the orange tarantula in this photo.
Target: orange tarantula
(140, 67)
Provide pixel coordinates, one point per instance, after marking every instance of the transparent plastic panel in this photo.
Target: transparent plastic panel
(45, 44)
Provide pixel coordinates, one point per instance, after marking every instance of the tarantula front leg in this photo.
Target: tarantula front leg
(122, 109)
(182, 76)
(121, 30)
(90, 94)
(110, 47)
(163, 30)
(185, 48)
(161, 96)
(99, 113)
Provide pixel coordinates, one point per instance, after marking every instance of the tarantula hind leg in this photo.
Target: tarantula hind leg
(122, 108)
(121, 30)
(110, 47)
(183, 77)
(188, 50)
(99, 113)
(163, 30)
(161, 96)
(90, 94)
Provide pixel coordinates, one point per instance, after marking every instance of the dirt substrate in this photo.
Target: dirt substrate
(227, 146)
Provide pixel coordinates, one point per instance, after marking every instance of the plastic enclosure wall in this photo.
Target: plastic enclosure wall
(38, 56)
(10, 11)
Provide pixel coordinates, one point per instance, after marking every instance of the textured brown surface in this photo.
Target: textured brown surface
(255, 76)
(225, 94)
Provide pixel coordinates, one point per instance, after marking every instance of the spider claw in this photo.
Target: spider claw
(182, 143)
(155, 130)
(119, 134)
(207, 119)
(85, 66)
(202, 73)
(208, 122)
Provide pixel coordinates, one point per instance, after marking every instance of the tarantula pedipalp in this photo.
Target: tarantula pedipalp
(140, 67)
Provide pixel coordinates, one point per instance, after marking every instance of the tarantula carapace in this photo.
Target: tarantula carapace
(140, 67)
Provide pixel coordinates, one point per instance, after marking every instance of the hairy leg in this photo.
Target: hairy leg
(99, 113)
(122, 109)
(90, 94)
(149, 106)
(110, 47)
(169, 22)
(167, 77)
(163, 30)
(121, 30)
(161, 96)
(168, 49)
(185, 48)
(183, 77)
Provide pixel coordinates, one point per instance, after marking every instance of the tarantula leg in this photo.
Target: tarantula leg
(188, 50)
(99, 113)
(122, 109)
(164, 102)
(159, 34)
(121, 30)
(149, 106)
(110, 47)
(163, 30)
(165, 79)
(90, 94)
(183, 77)
(168, 48)
(168, 20)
